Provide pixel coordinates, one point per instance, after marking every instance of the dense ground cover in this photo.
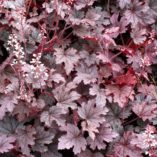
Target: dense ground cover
(78, 78)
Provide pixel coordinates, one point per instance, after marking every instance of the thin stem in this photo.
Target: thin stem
(6, 62)
(108, 5)
(126, 123)
(122, 40)
(115, 55)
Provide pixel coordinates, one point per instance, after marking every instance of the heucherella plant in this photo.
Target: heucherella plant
(78, 78)
(147, 140)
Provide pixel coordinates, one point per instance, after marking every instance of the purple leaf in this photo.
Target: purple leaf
(121, 95)
(6, 143)
(66, 96)
(42, 138)
(21, 110)
(105, 134)
(52, 152)
(86, 74)
(25, 139)
(145, 107)
(124, 147)
(53, 114)
(100, 95)
(138, 14)
(79, 4)
(123, 3)
(91, 17)
(122, 24)
(138, 35)
(9, 125)
(68, 57)
(73, 139)
(92, 115)
(7, 104)
(88, 153)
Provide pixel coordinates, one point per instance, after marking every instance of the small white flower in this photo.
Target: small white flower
(15, 47)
